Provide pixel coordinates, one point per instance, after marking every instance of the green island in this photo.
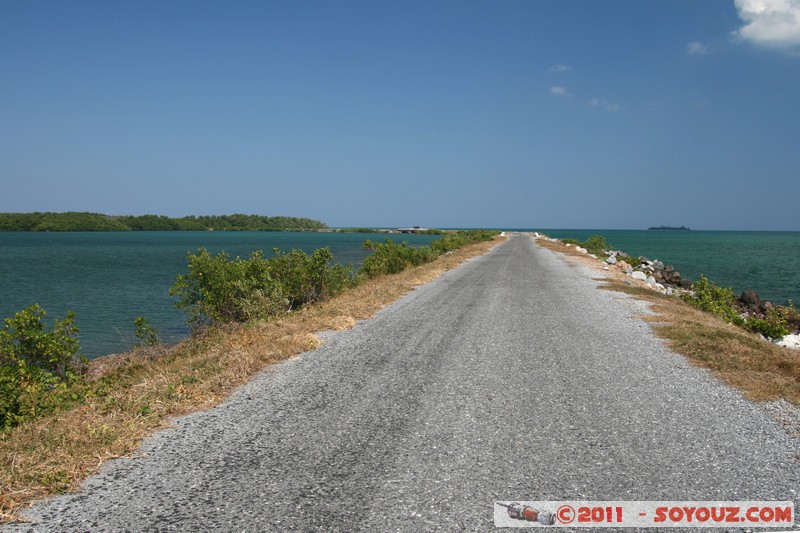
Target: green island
(73, 221)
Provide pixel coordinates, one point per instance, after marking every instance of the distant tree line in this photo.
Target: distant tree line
(100, 222)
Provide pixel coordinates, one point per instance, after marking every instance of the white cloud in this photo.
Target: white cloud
(696, 47)
(611, 107)
(560, 68)
(558, 90)
(770, 22)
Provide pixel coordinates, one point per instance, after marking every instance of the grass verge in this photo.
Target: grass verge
(761, 370)
(134, 394)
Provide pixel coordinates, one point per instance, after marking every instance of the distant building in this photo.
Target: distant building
(415, 229)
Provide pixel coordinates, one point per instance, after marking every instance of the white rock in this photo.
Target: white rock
(789, 341)
(568, 245)
(670, 291)
(638, 275)
(581, 249)
(612, 260)
(650, 280)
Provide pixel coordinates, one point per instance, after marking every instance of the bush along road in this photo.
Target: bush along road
(509, 378)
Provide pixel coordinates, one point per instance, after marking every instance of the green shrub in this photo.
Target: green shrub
(773, 326)
(477, 235)
(219, 290)
(596, 244)
(709, 297)
(38, 368)
(632, 261)
(24, 337)
(389, 257)
(448, 243)
(304, 279)
(721, 302)
(147, 334)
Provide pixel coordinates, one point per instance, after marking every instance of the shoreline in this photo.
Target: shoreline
(136, 393)
(745, 260)
(128, 274)
(663, 278)
(762, 370)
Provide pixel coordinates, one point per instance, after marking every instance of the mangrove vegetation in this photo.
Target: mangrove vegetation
(73, 221)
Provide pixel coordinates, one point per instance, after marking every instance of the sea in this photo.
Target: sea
(767, 262)
(109, 279)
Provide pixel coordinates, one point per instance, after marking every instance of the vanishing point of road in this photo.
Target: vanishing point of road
(512, 377)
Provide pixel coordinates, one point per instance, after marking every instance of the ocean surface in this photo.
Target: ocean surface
(109, 279)
(767, 262)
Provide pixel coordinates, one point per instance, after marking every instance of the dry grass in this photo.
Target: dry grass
(761, 370)
(139, 391)
(561, 248)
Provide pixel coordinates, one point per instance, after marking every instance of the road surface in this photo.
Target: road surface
(509, 378)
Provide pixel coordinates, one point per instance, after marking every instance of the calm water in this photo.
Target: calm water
(765, 261)
(109, 279)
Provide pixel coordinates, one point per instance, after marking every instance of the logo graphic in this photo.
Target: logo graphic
(517, 511)
(643, 514)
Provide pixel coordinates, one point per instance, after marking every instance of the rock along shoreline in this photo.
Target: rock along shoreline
(663, 278)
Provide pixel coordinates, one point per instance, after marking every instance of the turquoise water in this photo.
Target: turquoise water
(109, 279)
(765, 261)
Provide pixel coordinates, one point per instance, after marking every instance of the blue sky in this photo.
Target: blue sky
(496, 113)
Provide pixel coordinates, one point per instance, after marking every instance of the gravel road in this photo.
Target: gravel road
(511, 377)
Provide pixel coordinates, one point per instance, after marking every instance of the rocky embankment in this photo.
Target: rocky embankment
(665, 279)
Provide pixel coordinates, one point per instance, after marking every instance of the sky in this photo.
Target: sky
(607, 114)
